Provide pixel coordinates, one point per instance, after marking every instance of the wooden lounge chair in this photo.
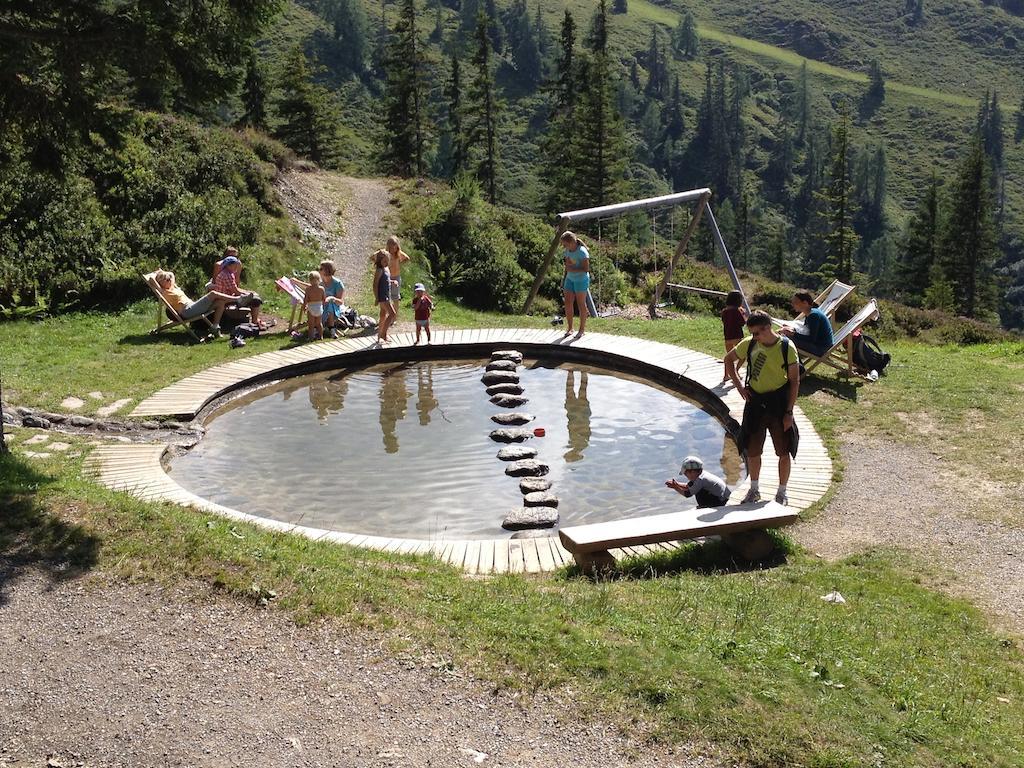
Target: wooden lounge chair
(840, 356)
(828, 301)
(166, 315)
(296, 290)
(739, 525)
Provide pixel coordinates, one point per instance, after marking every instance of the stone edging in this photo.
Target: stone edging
(138, 470)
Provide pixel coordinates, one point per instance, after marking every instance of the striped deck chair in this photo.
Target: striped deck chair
(828, 301)
(840, 356)
(296, 290)
(166, 315)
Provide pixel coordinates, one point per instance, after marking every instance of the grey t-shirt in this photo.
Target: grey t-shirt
(713, 484)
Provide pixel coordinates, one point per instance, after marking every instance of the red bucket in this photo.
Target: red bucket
(538, 432)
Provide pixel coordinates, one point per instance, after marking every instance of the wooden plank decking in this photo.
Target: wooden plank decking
(137, 469)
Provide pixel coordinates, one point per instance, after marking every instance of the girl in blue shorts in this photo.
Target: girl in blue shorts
(577, 280)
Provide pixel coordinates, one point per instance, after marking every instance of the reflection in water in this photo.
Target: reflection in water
(327, 396)
(394, 398)
(731, 463)
(425, 400)
(577, 415)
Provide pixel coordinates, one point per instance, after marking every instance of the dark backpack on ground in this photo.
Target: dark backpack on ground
(867, 355)
(245, 331)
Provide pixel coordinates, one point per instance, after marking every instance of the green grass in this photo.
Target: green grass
(754, 662)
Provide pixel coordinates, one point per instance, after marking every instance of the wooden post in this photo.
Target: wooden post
(716, 235)
(561, 226)
(680, 250)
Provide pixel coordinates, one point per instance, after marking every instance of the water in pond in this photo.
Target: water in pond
(404, 449)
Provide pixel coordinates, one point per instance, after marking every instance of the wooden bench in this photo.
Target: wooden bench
(740, 525)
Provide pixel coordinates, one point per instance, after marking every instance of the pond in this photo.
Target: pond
(404, 449)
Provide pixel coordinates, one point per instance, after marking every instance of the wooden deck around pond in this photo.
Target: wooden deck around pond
(137, 469)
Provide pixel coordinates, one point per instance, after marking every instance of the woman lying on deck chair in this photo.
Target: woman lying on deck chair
(188, 309)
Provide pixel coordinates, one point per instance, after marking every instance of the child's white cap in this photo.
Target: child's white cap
(419, 287)
(691, 462)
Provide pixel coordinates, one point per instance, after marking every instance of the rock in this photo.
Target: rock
(540, 499)
(23, 411)
(71, 403)
(96, 395)
(509, 401)
(36, 440)
(500, 377)
(114, 407)
(109, 426)
(516, 453)
(11, 418)
(81, 421)
(532, 533)
(507, 354)
(36, 421)
(510, 435)
(173, 425)
(530, 517)
(501, 365)
(505, 389)
(527, 468)
(150, 425)
(58, 446)
(35, 455)
(511, 419)
(534, 484)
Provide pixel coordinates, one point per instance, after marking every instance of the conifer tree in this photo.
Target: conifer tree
(556, 142)
(404, 96)
(565, 67)
(348, 17)
(452, 153)
(840, 239)
(619, 6)
(802, 105)
(1018, 133)
(968, 248)
(482, 131)
(779, 169)
(920, 246)
(674, 123)
(254, 95)
(990, 127)
(777, 248)
(685, 40)
(494, 28)
(875, 93)
(914, 10)
(437, 34)
(542, 33)
(656, 71)
(523, 43)
(308, 114)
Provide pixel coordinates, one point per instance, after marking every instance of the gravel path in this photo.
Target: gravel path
(112, 674)
(346, 216)
(900, 496)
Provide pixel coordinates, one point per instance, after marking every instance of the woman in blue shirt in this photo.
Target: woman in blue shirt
(815, 335)
(577, 280)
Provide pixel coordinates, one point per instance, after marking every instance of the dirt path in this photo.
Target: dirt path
(110, 674)
(346, 216)
(896, 495)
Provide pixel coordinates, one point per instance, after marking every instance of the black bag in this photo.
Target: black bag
(867, 355)
(245, 331)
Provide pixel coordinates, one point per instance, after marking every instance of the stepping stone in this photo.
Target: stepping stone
(505, 389)
(96, 395)
(34, 455)
(71, 403)
(512, 419)
(58, 446)
(509, 401)
(532, 533)
(81, 421)
(510, 435)
(527, 468)
(501, 365)
(500, 377)
(507, 354)
(530, 517)
(114, 407)
(540, 499)
(534, 484)
(36, 440)
(516, 453)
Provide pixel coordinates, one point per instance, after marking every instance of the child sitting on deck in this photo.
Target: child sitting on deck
(423, 306)
(709, 490)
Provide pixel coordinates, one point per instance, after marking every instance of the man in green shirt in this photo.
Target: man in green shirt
(773, 382)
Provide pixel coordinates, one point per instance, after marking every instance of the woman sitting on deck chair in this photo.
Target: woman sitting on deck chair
(188, 309)
(814, 335)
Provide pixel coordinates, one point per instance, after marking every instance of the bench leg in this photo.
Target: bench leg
(595, 563)
(750, 545)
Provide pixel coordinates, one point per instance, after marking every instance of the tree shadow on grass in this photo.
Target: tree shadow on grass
(708, 558)
(31, 537)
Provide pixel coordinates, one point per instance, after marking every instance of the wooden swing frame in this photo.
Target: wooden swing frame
(700, 197)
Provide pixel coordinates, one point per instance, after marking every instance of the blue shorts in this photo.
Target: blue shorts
(576, 282)
(422, 323)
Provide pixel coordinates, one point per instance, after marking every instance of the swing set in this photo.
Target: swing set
(699, 198)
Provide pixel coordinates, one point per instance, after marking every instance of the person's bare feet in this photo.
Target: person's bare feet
(578, 335)
(567, 333)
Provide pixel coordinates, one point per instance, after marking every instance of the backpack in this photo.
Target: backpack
(867, 355)
(784, 341)
(245, 330)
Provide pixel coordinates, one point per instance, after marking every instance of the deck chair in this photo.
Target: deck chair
(166, 315)
(296, 290)
(828, 301)
(840, 356)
